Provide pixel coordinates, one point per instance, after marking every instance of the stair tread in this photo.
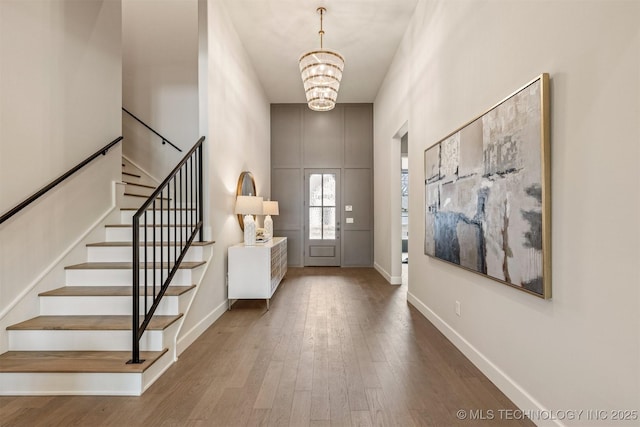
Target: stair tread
(139, 185)
(110, 291)
(149, 244)
(149, 224)
(76, 361)
(146, 196)
(89, 323)
(130, 174)
(127, 265)
(159, 210)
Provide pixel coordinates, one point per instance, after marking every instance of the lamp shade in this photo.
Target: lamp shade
(270, 207)
(249, 205)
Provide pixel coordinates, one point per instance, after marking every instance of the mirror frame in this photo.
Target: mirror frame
(241, 179)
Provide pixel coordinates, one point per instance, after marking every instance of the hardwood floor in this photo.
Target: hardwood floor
(338, 347)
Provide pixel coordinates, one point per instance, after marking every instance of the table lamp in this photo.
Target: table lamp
(269, 207)
(249, 206)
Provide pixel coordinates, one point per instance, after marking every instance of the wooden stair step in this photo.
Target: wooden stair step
(140, 185)
(151, 208)
(149, 224)
(131, 174)
(149, 244)
(89, 323)
(127, 265)
(75, 361)
(110, 291)
(144, 196)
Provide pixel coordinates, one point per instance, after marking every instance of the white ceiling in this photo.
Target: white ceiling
(276, 32)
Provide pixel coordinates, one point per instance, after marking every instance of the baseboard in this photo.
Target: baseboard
(54, 263)
(394, 280)
(143, 170)
(519, 396)
(187, 339)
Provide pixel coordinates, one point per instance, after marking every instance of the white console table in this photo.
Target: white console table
(256, 271)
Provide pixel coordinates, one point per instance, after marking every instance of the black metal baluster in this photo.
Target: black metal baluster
(154, 247)
(175, 219)
(161, 238)
(191, 193)
(145, 266)
(187, 219)
(135, 315)
(181, 197)
(200, 194)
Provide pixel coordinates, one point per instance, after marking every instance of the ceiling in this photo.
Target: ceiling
(276, 32)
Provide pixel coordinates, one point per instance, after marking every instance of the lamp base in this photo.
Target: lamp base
(268, 227)
(249, 230)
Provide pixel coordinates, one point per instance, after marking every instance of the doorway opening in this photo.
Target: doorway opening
(404, 203)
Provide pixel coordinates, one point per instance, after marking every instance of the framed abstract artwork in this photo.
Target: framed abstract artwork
(487, 193)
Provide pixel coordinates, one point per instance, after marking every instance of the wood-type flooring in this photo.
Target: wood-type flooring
(339, 347)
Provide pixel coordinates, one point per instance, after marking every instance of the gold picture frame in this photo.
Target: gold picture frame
(488, 192)
(246, 187)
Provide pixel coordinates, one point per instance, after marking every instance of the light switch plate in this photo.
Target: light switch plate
(349, 220)
(348, 208)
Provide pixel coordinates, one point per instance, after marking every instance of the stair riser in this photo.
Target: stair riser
(129, 201)
(107, 305)
(56, 383)
(83, 383)
(65, 340)
(124, 234)
(164, 216)
(136, 189)
(123, 254)
(123, 277)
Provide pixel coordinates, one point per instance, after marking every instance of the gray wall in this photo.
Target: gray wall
(342, 139)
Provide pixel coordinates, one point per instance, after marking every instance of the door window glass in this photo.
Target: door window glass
(322, 206)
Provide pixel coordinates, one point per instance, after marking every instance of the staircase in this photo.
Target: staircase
(81, 341)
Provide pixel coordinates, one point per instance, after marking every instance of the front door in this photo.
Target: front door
(322, 217)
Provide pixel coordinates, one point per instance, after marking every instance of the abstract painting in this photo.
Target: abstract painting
(487, 199)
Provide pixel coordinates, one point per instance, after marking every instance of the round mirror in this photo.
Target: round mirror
(246, 187)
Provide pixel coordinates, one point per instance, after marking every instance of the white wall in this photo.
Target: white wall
(60, 86)
(581, 349)
(236, 122)
(159, 80)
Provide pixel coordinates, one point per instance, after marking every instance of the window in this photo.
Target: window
(322, 206)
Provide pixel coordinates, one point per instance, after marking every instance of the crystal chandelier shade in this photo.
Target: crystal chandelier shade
(321, 71)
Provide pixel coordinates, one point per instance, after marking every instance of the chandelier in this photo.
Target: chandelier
(321, 71)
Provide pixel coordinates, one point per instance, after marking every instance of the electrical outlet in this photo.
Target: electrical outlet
(458, 308)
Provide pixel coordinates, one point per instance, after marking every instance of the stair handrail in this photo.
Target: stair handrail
(35, 196)
(164, 140)
(190, 223)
